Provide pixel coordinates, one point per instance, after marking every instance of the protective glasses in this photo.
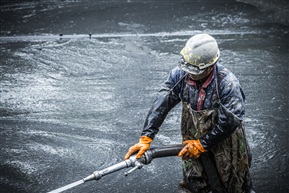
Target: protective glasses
(187, 67)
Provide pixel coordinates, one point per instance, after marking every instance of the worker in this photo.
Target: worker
(216, 155)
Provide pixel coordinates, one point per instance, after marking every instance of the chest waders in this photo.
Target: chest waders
(225, 167)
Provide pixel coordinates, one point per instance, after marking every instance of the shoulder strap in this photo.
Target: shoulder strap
(221, 73)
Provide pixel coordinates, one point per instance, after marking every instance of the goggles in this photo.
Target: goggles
(187, 67)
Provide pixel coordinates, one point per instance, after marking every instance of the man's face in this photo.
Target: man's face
(203, 75)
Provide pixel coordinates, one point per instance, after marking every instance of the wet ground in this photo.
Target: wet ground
(72, 103)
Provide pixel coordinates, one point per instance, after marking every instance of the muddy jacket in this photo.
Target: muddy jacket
(230, 94)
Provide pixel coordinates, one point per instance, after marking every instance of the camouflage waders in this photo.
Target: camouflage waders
(231, 155)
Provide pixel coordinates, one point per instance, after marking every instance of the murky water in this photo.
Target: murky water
(71, 104)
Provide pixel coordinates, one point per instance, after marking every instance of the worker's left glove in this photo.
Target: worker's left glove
(193, 149)
(141, 147)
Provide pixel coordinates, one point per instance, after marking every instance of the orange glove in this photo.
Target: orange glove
(193, 149)
(141, 147)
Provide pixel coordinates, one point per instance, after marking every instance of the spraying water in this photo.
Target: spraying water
(69, 186)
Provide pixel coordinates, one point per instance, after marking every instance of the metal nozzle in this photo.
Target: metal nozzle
(94, 176)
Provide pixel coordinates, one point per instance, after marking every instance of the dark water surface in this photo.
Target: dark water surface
(71, 104)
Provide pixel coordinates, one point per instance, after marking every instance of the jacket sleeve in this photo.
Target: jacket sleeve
(168, 97)
(230, 112)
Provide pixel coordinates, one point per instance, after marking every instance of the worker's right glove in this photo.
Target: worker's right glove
(141, 147)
